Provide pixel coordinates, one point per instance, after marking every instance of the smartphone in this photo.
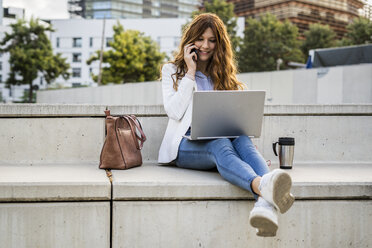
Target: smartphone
(196, 51)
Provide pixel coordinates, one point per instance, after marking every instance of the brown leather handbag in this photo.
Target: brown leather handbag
(123, 143)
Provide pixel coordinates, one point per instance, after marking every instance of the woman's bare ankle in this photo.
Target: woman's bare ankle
(255, 185)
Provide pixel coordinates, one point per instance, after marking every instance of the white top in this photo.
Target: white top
(178, 106)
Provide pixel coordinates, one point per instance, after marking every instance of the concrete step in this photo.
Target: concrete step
(53, 182)
(54, 205)
(50, 183)
(221, 224)
(177, 207)
(75, 133)
(187, 208)
(55, 224)
(66, 182)
(50, 140)
(310, 181)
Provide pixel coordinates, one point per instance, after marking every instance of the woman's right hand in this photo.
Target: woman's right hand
(188, 57)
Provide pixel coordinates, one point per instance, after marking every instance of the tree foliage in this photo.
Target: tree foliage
(225, 11)
(133, 58)
(31, 54)
(359, 31)
(265, 41)
(318, 36)
(322, 36)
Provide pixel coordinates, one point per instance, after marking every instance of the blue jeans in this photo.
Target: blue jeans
(237, 160)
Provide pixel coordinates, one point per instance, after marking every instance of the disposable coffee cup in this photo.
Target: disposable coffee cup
(285, 151)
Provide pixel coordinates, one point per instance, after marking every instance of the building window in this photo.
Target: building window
(156, 3)
(155, 12)
(76, 42)
(91, 42)
(76, 72)
(101, 5)
(1, 78)
(1, 66)
(108, 40)
(102, 14)
(90, 70)
(135, 1)
(57, 45)
(76, 57)
(330, 16)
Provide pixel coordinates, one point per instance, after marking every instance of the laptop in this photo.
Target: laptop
(226, 114)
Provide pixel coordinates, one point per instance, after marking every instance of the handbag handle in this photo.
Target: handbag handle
(132, 119)
(132, 130)
(139, 127)
(142, 138)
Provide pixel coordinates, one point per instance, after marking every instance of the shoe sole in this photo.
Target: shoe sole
(282, 197)
(266, 227)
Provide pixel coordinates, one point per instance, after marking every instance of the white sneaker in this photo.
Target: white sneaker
(275, 188)
(264, 218)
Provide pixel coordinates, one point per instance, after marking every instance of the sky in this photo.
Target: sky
(43, 9)
(46, 9)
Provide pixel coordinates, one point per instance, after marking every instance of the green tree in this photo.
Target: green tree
(225, 11)
(31, 54)
(26, 97)
(265, 41)
(359, 31)
(318, 36)
(133, 58)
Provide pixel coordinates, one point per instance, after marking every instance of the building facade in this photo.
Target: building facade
(335, 13)
(78, 39)
(367, 9)
(124, 9)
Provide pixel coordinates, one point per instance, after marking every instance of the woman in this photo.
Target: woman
(206, 62)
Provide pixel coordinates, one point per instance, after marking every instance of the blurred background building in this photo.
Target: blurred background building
(123, 9)
(80, 36)
(78, 39)
(367, 10)
(335, 13)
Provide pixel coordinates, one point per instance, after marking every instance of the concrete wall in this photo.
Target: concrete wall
(42, 224)
(59, 139)
(52, 193)
(148, 93)
(303, 226)
(334, 85)
(323, 133)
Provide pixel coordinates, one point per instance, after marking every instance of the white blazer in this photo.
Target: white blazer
(178, 106)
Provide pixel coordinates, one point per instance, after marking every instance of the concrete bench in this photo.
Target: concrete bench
(54, 206)
(156, 206)
(52, 193)
(34, 183)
